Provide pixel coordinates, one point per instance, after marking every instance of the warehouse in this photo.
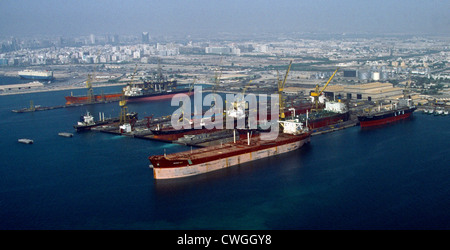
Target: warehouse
(370, 91)
(20, 87)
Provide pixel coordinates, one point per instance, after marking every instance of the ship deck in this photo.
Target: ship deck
(383, 112)
(231, 147)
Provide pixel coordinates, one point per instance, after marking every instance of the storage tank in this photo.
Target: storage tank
(376, 76)
(363, 75)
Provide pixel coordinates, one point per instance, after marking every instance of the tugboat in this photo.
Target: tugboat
(86, 122)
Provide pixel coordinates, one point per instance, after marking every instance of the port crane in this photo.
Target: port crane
(217, 76)
(191, 87)
(280, 91)
(90, 90)
(123, 102)
(316, 93)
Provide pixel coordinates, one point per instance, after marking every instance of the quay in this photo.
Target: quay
(141, 129)
(34, 108)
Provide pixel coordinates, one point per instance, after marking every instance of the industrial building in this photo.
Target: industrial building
(19, 87)
(373, 91)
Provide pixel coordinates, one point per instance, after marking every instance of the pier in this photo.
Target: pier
(141, 129)
(34, 108)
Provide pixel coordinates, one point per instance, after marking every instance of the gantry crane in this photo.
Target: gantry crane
(316, 93)
(280, 91)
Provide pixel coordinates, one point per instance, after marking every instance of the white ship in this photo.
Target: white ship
(36, 75)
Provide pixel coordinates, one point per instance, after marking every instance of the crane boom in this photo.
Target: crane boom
(281, 84)
(316, 93)
(280, 91)
(329, 80)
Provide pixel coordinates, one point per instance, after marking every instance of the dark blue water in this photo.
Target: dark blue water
(395, 177)
(5, 80)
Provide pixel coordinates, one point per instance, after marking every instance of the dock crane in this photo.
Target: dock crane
(90, 90)
(316, 93)
(217, 76)
(280, 91)
(123, 103)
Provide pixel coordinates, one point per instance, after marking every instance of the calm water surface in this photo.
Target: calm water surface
(393, 177)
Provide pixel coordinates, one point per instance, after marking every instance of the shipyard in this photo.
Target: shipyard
(224, 115)
(321, 102)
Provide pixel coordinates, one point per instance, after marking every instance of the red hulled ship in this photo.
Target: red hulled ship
(213, 158)
(403, 110)
(96, 98)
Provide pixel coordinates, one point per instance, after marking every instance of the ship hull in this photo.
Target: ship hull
(178, 168)
(97, 98)
(36, 75)
(158, 96)
(385, 118)
(327, 121)
(31, 77)
(80, 128)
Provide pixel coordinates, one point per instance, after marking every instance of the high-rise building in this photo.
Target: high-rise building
(92, 38)
(145, 37)
(116, 39)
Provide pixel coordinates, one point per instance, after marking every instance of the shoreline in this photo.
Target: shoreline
(69, 87)
(60, 88)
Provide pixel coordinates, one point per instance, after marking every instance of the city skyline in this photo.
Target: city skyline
(51, 17)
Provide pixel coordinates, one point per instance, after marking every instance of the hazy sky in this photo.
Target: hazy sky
(159, 17)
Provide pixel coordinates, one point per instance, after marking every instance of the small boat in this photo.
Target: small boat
(65, 134)
(26, 141)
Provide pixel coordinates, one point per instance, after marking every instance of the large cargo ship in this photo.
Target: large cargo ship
(146, 91)
(403, 110)
(238, 152)
(333, 113)
(96, 98)
(153, 90)
(36, 75)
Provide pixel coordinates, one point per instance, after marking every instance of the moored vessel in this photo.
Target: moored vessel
(402, 110)
(36, 75)
(96, 98)
(153, 90)
(87, 122)
(333, 113)
(204, 160)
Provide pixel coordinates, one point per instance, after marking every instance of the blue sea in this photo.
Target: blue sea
(392, 177)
